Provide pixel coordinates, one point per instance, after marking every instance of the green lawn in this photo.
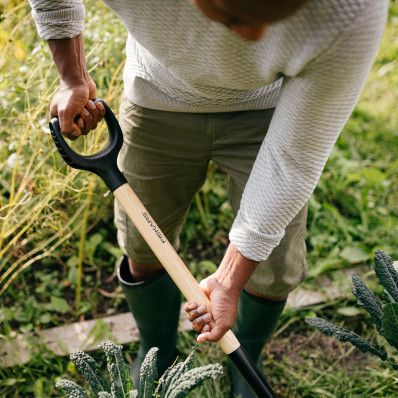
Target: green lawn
(57, 239)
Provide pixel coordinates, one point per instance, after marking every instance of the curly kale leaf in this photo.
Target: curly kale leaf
(386, 274)
(368, 300)
(329, 329)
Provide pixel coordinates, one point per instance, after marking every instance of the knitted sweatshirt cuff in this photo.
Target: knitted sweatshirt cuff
(252, 244)
(59, 24)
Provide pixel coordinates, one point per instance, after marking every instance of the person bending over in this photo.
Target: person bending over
(262, 88)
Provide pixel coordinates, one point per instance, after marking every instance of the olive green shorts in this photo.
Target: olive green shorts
(165, 156)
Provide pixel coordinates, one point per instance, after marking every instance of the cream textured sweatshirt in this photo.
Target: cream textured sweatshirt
(311, 67)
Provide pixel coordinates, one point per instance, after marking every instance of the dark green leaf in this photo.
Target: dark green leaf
(89, 369)
(174, 373)
(390, 323)
(368, 300)
(121, 383)
(192, 379)
(71, 389)
(148, 374)
(388, 264)
(386, 274)
(345, 335)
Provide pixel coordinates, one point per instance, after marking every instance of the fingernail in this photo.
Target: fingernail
(201, 309)
(91, 105)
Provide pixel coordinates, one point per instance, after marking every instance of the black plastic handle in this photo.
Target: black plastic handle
(102, 163)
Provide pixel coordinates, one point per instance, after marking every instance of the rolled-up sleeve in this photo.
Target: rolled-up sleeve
(58, 19)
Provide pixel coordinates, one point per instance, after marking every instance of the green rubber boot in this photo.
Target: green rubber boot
(155, 305)
(256, 320)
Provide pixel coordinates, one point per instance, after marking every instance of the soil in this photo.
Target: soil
(299, 346)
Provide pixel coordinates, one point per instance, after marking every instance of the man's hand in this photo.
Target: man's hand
(223, 289)
(224, 306)
(76, 111)
(73, 104)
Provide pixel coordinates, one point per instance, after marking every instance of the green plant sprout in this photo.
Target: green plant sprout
(176, 382)
(384, 314)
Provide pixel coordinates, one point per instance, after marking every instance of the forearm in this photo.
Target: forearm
(234, 270)
(68, 55)
(62, 23)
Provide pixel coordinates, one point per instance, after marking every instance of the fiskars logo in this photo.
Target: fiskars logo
(154, 227)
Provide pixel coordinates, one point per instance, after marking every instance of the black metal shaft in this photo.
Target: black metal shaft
(250, 373)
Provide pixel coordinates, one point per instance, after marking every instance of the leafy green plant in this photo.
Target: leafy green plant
(384, 314)
(176, 382)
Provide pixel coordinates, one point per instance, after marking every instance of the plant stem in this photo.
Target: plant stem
(202, 213)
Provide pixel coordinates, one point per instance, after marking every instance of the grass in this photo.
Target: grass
(57, 240)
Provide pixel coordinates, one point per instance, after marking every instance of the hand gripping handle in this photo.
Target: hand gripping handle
(102, 163)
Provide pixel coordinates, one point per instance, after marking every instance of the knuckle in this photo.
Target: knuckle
(62, 112)
(195, 327)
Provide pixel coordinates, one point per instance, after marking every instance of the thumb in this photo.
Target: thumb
(214, 335)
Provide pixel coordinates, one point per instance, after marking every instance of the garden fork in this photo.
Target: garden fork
(104, 164)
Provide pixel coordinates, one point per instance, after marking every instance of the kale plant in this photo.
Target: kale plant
(384, 312)
(176, 382)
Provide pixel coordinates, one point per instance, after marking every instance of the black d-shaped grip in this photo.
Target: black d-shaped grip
(102, 163)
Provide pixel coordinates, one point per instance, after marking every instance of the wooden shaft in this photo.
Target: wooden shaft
(167, 256)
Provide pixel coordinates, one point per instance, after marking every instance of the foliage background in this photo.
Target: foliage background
(57, 239)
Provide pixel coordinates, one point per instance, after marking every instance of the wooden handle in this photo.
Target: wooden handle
(167, 256)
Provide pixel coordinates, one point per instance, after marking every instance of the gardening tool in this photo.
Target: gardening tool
(104, 164)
